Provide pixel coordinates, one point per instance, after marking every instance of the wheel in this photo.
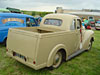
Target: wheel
(57, 60)
(89, 46)
(5, 42)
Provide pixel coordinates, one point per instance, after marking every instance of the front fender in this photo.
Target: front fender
(53, 52)
(87, 37)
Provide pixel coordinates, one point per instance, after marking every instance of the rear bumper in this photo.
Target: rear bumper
(36, 67)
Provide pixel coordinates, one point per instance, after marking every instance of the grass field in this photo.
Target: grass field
(87, 63)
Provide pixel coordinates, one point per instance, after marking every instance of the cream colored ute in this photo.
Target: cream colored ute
(59, 37)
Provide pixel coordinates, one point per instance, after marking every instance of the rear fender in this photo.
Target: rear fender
(53, 52)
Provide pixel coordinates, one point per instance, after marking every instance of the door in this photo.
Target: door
(79, 33)
(75, 37)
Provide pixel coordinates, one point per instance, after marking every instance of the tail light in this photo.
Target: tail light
(34, 62)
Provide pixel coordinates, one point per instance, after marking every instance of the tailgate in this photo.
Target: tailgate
(22, 42)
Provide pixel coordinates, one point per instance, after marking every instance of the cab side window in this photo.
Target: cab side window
(30, 22)
(78, 23)
(73, 25)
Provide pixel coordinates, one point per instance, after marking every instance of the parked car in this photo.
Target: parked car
(12, 20)
(97, 25)
(92, 22)
(88, 27)
(59, 37)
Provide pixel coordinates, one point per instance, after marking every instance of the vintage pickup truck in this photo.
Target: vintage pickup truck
(59, 37)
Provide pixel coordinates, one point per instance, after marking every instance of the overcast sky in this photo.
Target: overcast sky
(50, 5)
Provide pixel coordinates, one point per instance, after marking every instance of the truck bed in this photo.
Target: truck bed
(40, 30)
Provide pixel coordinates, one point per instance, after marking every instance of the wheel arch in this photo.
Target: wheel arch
(59, 47)
(92, 39)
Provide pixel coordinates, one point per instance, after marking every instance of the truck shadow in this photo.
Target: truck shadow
(31, 70)
(46, 69)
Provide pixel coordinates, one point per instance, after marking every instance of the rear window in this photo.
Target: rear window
(55, 22)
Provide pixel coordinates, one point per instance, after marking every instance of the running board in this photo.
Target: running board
(75, 54)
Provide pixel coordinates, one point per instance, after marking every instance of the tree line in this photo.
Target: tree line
(36, 13)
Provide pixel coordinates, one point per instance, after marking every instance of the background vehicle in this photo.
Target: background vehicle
(12, 20)
(97, 25)
(4, 10)
(59, 37)
(38, 19)
(89, 23)
(88, 27)
(92, 22)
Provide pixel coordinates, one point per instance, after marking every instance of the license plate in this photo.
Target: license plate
(19, 55)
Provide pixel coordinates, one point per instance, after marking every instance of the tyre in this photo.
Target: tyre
(57, 61)
(5, 42)
(89, 46)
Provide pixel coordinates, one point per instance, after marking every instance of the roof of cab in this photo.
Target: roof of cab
(61, 15)
(15, 15)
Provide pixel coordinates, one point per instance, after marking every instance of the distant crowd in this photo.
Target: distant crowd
(88, 23)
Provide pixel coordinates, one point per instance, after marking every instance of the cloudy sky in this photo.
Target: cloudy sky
(50, 5)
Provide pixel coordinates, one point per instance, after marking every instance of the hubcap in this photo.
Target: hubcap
(57, 59)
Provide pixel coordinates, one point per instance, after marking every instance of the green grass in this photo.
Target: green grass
(87, 63)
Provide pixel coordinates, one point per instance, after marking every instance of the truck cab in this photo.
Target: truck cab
(13, 20)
